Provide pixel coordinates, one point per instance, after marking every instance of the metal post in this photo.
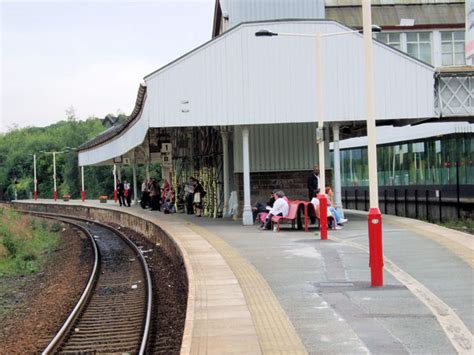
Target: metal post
(385, 201)
(115, 183)
(55, 195)
(320, 103)
(247, 217)
(337, 170)
(427, 206)
(458, 202)
(83, 192)
(440, 207)
(356, 200)
(365, 201)
(375, 217)
(135, 187)
(323, 216)
(395, 200)
(323, 221)
(406, 203)
(416, 204)
(35, 182)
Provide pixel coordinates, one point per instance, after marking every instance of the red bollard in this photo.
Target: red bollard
(115, 195)
(375, 247)
(83, 195)
(55, 195)
(36, 195)
(323, 216)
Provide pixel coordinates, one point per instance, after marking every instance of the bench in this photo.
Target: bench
(291, 218)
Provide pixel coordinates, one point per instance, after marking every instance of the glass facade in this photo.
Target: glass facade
(430, 161)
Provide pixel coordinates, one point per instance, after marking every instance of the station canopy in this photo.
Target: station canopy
(238, 79)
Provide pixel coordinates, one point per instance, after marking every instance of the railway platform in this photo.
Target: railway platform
(253, 291)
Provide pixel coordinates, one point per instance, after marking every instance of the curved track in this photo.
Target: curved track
(114, 312)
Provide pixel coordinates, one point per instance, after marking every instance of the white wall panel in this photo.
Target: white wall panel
(278, 147)
(240, 79)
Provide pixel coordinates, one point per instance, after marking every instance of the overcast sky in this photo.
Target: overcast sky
(91, 55)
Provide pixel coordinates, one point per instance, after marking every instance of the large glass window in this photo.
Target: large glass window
(452, 48)
(433, 161)
(392, 39)
(419, 45)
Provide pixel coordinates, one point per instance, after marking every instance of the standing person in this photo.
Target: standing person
(127, 193)
(313, 182)
(121, 191)
(155, 195)
(145, 194)
(189, 190)
(199, 194)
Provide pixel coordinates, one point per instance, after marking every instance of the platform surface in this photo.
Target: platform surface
(290, 292)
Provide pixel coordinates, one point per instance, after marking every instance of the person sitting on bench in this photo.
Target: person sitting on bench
(280, 208)
(260, 207)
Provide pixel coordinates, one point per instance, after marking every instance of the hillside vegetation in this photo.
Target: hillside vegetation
(16, 160)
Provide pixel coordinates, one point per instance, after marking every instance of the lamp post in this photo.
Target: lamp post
(35, 181)
(375, 224)
(55, 190)
(83, 192)
(115, 183)
(375, 217)
(320, 112)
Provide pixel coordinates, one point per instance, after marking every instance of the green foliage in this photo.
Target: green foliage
(16, 159)
(464, 225)
(27, 242)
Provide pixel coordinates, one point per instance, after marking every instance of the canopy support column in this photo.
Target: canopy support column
(247, 217)
(337, 170)
(134, 173)
(225, 150)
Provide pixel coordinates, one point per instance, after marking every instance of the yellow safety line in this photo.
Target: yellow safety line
(275, 331)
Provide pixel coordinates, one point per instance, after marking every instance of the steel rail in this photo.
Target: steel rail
(146, 328)
(53, 345)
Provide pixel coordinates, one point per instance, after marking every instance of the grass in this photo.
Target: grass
(25, 242)
(463, 225)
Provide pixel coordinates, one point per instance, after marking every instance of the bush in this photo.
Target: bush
(27, 242)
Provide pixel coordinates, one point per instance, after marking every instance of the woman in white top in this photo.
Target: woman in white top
(280, 208)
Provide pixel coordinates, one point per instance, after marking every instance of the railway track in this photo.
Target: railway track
(113, 314)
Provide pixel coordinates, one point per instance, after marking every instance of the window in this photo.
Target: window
(452, 48)
(392, 39)
(419, 45)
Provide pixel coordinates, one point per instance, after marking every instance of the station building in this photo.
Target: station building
(239, 112)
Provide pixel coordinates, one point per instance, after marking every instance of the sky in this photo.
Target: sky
(88, 54)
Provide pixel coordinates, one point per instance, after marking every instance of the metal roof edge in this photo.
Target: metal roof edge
(230, 30)
(116, 131)
(243, 24)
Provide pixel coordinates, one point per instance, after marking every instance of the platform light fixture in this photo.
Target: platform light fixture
(375, 218)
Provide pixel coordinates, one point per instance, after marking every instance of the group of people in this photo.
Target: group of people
(278, 204)
(163, 198)
(151, 194)
(124, 193)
